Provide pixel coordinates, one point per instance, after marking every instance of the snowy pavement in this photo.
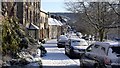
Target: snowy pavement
(55, 57)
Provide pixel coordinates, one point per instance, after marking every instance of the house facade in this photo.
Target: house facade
(55, 27)
(34, 21)
(43, 25)
(31, 18)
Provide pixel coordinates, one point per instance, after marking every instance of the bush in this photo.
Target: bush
(31, 40)
(23, 43)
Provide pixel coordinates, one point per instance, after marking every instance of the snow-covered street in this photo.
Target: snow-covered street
(55, 57)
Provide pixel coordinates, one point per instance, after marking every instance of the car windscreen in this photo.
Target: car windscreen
(116, 50)
(78, 43)
(63, 38)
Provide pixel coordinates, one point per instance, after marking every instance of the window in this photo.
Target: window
(96, 46)
(75, 43)
(111, 54)
(115, 50)
(69, 42)
(89, 49)
(102, 48)
(79, 43)
(102, 51)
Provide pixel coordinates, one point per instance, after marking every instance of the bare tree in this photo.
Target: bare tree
(97, 14)
(8, 8)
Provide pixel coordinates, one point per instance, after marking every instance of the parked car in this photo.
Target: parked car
(75, 46)
(62, 39)
(101, 55)
(117, 39)
(85, 37)
(79, 34)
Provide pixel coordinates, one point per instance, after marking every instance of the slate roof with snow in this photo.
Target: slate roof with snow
(52, 21)
(57, 23)
(60, 23)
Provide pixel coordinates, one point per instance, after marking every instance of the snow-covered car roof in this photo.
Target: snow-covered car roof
(103, 44)
(107, 44)
(63, 37)
(113, 43)
(78, 39)
(73, 38)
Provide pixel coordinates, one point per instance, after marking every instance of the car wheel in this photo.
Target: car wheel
(58, 46)
(102, 66)
(81, 64)
(71, 54)
(66, 52)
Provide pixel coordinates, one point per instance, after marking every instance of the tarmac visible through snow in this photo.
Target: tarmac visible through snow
(55, 57)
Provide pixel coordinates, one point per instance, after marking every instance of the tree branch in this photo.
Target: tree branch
(114, 9)
(90, 20)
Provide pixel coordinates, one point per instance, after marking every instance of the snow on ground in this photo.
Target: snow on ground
(56, 57)
(75, 60)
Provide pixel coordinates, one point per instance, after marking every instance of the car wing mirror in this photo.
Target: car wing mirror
(82, 55)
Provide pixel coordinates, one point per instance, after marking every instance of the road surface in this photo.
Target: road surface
(55, 57)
